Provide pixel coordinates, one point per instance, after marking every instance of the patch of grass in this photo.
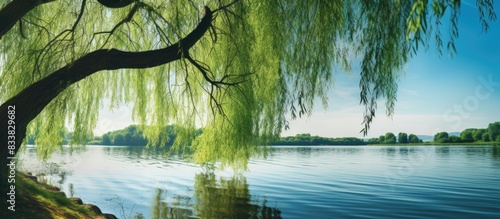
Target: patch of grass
(36, 200)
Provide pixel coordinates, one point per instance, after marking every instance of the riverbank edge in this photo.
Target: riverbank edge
(441, 144)
(39, 200)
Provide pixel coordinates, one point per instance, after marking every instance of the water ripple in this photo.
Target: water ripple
(294, 182)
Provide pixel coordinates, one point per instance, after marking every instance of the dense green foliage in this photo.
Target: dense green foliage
(64, 134)
(307, 139)
(133, 135)
(494, 131)
(127, 136)
(390, 138)
(381, 139)
(472, 135)
(468, 135)
(373, 141)
(486, 137)
(271, 60)
(402, 138)
(441, 137)
(414, 139)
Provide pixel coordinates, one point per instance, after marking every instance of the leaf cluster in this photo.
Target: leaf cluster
(262, 63)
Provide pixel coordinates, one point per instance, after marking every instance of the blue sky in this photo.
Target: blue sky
(435, 93)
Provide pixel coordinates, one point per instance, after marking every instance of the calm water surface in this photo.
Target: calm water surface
(293, 182)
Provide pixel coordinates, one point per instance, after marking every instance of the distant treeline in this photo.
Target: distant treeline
(307, 139)
(490, 134)
(133, 135)
(390, 138)
(130, 135)
(471, 135)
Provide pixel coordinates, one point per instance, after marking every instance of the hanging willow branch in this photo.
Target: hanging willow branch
(41, 93)
(14, 11)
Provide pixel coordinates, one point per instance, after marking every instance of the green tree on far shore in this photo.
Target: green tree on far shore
(467, 135)
(494, 131)
(478, 134)
(471, 135)
(453, 139)
(486, 137)
(106, 139)
(414, 139)
(373, 141)
(307, 139)
(441, 137)
(402, 138)
(381, 139)
(390, 138)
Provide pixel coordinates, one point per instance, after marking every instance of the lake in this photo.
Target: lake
(293, 182)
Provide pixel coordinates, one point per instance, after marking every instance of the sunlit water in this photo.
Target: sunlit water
(293, 182)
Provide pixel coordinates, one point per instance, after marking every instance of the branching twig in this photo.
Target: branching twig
(225, 6)
(204, 71)
(82, 9)
(59, 38)
(127, 19)
(39, 26)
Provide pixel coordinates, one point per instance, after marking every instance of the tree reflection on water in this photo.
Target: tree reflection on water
(223, 198)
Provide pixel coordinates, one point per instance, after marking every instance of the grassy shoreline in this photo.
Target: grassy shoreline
(42, 201)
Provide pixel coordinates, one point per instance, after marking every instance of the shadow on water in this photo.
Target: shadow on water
(229, 199)
(212, 198)
(495, 151)
(400, 151)
(443, 151)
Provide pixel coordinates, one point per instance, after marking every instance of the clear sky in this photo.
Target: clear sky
(435, 93)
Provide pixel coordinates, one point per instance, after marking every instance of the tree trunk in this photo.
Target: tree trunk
(26, 105)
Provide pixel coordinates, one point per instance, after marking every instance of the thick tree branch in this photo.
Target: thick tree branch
(33, 99)
(116, 3)
(14, 11)
(225, 6)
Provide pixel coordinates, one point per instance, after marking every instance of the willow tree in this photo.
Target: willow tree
(237, 68)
